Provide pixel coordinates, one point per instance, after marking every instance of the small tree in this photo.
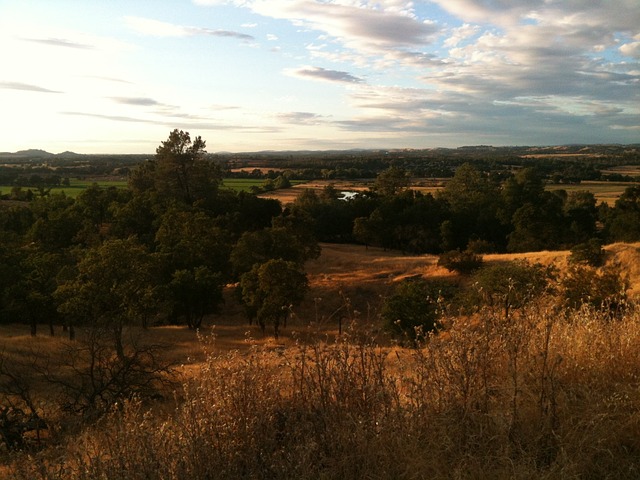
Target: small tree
(195, 293)
(414, 307)
(510, 285)
(269, 290)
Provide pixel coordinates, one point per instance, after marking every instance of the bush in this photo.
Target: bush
(602, 288)
(414, 307)
(509, 285)
(588, 253)
(462, 262)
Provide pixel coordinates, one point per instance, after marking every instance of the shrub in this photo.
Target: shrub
(414, 307)
(509, 285)
(462, 262)
(588, 253)
(603, 288)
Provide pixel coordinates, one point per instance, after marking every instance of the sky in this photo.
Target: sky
(116, 76)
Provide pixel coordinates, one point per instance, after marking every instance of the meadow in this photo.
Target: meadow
(78, 185)
(549, 393)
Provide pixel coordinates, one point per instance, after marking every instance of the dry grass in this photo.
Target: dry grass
(546, 396)
(549, 394)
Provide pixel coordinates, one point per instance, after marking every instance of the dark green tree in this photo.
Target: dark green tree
(622, 222)
(474, 201)
(414, 308)
(271, 289)
(391, 181)
(114, 287)
(588, 253)
(603, 288)
(195, 293)
(270, 244)
(511, 285)
(183, 172)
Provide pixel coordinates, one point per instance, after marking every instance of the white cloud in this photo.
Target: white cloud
(157, 28)
(631, 49)
(318, 73)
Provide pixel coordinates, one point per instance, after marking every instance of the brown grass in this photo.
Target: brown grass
(549, 394)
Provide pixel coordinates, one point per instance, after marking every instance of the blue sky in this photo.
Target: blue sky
(115, 76)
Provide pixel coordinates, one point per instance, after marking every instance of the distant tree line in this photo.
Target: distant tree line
(480, 211)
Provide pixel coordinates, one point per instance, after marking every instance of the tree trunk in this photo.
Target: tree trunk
(117, 334)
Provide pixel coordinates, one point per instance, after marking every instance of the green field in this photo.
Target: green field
(73, 189)
(245, 184)
(76, 185)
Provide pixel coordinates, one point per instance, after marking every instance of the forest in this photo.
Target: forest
(476, 349)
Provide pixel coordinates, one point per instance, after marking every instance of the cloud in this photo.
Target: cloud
(300, 118)
(318, 73)
(26, 86)
(114, 118)
(156, 28)
(631, 49)
(142, 101)
(60, 42)
(384, 27)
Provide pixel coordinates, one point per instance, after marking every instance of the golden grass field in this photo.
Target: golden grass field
(343, 274)
(543, 397)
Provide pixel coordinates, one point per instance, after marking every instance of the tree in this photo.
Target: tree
(622, 222)
(271, 289)
(193, 258)
(391, 181)
(114, 287)
(186, 240)
(462, 262)
(588, 253)
(180, 171)
(509, 285)
(33, 294)
(539, 226)
(603, 288)
(195, 293)
(581, 215)
(473, 200)
(271, 243)
(57, 222)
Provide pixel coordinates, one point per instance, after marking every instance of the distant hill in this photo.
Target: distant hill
(31, 153)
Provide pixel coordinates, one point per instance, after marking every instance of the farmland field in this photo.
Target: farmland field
(607, 192)
(77, 185)
(245, 184)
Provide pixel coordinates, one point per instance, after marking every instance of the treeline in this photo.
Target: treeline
(159, 251)
(556, 164)
(163, 249)
(480, 211)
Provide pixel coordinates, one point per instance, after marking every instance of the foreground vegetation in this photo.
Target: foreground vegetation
(542, 395)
